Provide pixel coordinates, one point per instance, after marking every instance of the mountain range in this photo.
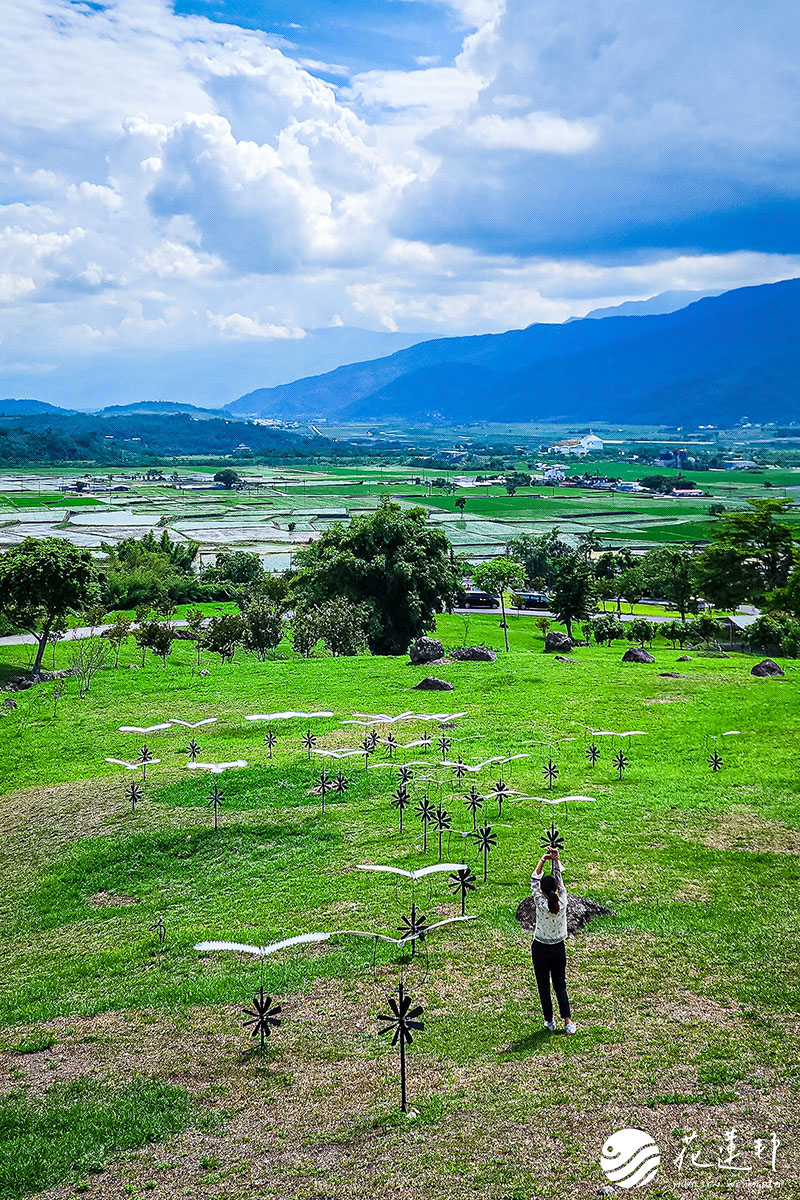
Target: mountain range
(715, 361)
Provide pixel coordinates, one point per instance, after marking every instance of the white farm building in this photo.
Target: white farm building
(590, 444)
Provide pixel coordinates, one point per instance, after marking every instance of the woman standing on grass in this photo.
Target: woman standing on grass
(548, 948)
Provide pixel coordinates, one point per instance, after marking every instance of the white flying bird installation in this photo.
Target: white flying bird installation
(216, 768)
(286, 716)
(143, 728)
(625, 733)
(487, 762)
(132, 766)
(414, 875)
(385, 719)
(335, 753)
(273, 947)
(558, 799)
(194, 724)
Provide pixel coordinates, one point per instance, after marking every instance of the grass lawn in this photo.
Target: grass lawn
(686, 999)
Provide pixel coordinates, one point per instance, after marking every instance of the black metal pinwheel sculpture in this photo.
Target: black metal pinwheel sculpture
(501, 791)
(340, 784)
(143, 758)
(414, 927)
(715, 762)
(441, 819)
(405, 774)
(193, 750)
(444, 745)
(159, 926)
(552, 839)
(593, 753)
(462, 881)
(367, 748)
(391, 744)
(372, 737)
(263, 1017)
(620, 763)
(459, 768)
(474, 802)
(402, 1023)
(426, 742)
(215, 799)
(309, 741)
(400, 801)
(323, 786)
(134, 794)
(486, 842)
(269, 741)
(427, 814)
(550, 773)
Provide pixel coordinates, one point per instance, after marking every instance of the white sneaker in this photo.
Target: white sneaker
(550, 1026)
(570, 1027)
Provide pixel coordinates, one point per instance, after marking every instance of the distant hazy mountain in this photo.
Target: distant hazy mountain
(207, 376)
(664, 302)
(19, 408)
(715, 360)
(157, 407)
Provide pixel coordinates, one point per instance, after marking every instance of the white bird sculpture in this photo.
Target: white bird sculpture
(215, 768)
(625, 733)
(305, 938)
(487, 762)
(335, 753)
(414, 875)
(143, 728)
(132, 766)
(285, 716)
(385, 719)
(194, 724)
(558, 799)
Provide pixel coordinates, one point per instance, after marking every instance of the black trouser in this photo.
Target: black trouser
(550, 962)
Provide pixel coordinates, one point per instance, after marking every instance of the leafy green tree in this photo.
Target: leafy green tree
(497, 577)
(117, 633)
(342, 625)
(159, 638)
(263, 626)
(677, 632)
(228, 478)
(724, 577)
(606, 627)
(641, 631)
(631, 586)
(42, 581)
(305, 631)
(572, 597)
(588, 544)
(223, 634)
(539, 555)
(461, 504)
(392, 562)
(195, 625)
(669, 574)
(751, 555)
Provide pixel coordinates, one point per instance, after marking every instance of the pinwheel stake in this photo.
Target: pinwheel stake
(269, 741)
(552, 839)
(427, 814)
(442, 822)
(459, 768)
(462, 881)
(620, 763)
(143, 758)
(405, 774)
(402, 1023)
(444, 745)
(425, 742)
(550, 773)
(324, 785)
(486, 842)
(367, 748)
(160, 927)
(413, 927)
(501, 791)
(372, 738)
(391, 744)
(309, 741)
(193, 750)
(134, 794)
(593, 754)
(401, 800)
(715, 762)
(474, 801)
(263, 1017)
(340, 784)
(216, 798)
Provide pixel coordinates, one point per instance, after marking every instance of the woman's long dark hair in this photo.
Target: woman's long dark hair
(550, 889)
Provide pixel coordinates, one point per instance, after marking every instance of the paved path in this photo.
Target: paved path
(81, 631)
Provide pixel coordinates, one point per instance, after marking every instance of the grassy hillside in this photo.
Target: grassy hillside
(686, 1000)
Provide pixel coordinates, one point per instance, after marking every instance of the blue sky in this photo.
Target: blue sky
(229, 175)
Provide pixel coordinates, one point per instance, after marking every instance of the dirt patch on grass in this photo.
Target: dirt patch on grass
(111, 900)
(743, 829)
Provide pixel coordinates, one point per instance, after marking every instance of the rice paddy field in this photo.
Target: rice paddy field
(282, 510)
(125, 1066)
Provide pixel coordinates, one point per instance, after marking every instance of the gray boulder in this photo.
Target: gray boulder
(685, 658)
(557, 642)
(637, 654)
(669, 675)
(425, 650)
(431, 684)
(580, 911)
(767, 668)
(474, 654)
